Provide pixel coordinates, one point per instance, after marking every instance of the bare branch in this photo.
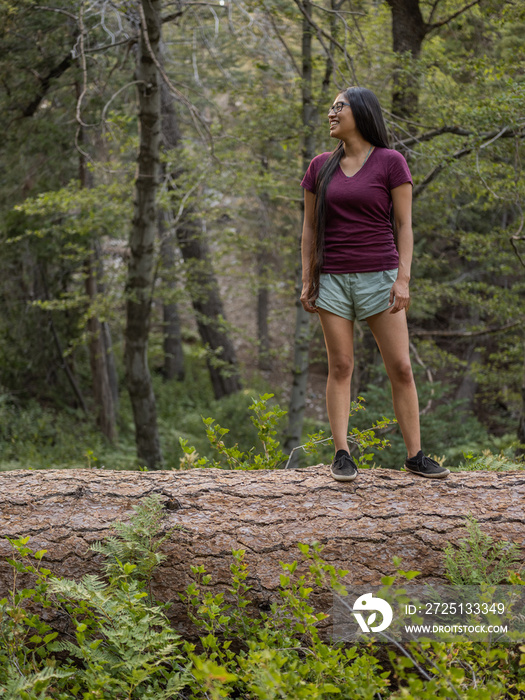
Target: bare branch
(435, 25)
(418, 189)
(83, 65)
(321, 33)
(212, 51)
(45, 84)
(124, 87)
(505, 132)
(518, 237)
(433, 9)
(513, 240)
(55, 9)
(282, 41)
(497, 136)
(467, 334)
(127, 40)
(172, 16)
(430, 378)
(429, 135)
(337, 11)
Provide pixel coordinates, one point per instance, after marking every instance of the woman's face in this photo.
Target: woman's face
(343, 122)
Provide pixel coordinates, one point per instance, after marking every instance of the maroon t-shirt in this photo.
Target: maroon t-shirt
(359, 236)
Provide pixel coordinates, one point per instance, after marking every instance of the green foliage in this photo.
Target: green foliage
(33, 436)
(468, 671)
(25, 638)
(121, 644)
(137, 542)
(124, 644)
(47, 244)
(368, 440)
(282, 654)
(488, 461)
(265, 419)
(479, 559)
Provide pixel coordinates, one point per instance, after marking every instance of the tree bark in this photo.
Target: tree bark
(201, 281)
(142, 243)
(469, 385)
(302, 318)
(173, 353)
(46, 82)
(99, 362)
(520, 451)
(112, 367)
(209, 512)
(408, 32)
(263, 335)
(209, 312)
(106, 335)
(263, 291)
(98, 355)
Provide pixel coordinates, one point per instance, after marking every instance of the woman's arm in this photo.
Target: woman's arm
(402, 205)
(306, 249)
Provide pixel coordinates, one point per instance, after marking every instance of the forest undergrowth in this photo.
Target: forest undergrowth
(35, 435)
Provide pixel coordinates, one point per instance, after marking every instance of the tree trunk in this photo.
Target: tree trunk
(408, 32)
(112, 368)
(209, 312)
(209, 512)
(98, 355)
(469, 385)
(302, 318)
(98, 359)
(263, 336)
(173, 353)
(201, 281)
(263, 291)
(139, 285)
(520, 451)
(106, 335)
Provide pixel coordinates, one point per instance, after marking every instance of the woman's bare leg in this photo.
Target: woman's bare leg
(391, 334)
(339, 340)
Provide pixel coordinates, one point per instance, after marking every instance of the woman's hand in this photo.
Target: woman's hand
(399, 296)
(306, 299)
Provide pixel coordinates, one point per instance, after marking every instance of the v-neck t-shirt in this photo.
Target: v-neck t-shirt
(359, 235)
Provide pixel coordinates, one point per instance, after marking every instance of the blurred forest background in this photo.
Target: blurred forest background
(151, 213)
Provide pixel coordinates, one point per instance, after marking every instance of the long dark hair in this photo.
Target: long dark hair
(369, 121)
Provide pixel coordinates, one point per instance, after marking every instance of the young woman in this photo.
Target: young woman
(352, 268)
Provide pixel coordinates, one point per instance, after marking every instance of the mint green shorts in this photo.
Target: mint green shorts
(356, 295)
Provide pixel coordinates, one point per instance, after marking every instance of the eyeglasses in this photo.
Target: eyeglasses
(337, 107)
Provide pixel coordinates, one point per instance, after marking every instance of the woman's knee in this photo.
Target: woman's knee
(401, 372)
(341, 367)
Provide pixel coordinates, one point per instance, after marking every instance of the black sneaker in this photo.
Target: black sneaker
(424, 466)
(343, 467)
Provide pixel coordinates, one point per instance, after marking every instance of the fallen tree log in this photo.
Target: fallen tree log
(362, 525)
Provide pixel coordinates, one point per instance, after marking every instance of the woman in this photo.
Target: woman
(353, 270)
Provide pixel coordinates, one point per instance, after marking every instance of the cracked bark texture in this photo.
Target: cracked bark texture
(141, 269)
(362, 525)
